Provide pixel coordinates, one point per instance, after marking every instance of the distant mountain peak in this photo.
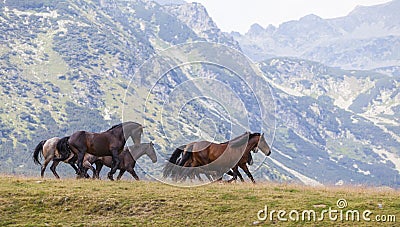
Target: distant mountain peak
(310, 17)
(367, 38)
(256, 29)
(196, 17)
(170, 2)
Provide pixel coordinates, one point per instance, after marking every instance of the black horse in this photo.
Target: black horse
(108, 143)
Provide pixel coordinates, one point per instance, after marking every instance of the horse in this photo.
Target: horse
(47, 148)
(128, 158)
(176, 157)
(107, 143)
(174, 167)
(256, 142)
(196, 154)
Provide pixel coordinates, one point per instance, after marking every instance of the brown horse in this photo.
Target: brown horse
(203, 154)
(222, 156)
(47, 148)
(108, 143)
(128, 158)
(176, 157)
(256, 142)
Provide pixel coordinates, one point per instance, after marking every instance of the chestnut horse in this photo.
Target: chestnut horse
(203, 154)
(176, 157)
(108, 143)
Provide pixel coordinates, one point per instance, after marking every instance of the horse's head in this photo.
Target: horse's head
(151, 152)
(133, 130)
(263, 146)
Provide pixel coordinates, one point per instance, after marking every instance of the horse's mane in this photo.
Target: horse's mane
(120, 125)
(254, 134)
(115, 126)
(232, 139)
(251, 135)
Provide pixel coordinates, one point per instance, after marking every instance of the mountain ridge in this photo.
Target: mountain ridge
(370, 30)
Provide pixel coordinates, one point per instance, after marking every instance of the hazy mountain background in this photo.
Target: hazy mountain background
(64, 66)
(367, 38)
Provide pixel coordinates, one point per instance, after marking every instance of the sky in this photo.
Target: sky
(239, 15)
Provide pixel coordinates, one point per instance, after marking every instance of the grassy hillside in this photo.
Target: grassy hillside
(70, 202)
(69, 65)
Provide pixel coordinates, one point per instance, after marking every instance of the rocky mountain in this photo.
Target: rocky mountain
(195, 16)
(81, 65)
(367, 38)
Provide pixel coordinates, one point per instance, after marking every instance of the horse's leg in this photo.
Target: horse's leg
(53, 168)
(246, 170)
(233, 172)
(99, 165)
(188, 172)
(208, 176)
(88, 166)
(85, 173)
(239, 175)
(193, 175)
(46, 162)
(115, 163)
(133, 173)
(81, 155)
(121, 172)
(197, 174)
(72, 162)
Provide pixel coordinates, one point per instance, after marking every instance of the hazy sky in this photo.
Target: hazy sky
(239, 15)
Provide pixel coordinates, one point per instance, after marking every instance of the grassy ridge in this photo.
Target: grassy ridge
(70, 202)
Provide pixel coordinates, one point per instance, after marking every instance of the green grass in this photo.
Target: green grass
(70, 202)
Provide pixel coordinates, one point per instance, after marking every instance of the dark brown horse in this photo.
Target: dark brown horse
(108, 143)
(128, 158)
(203, 154)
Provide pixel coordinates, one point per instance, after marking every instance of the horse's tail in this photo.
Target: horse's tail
(183, 172)
(186, 155)
(37, 151)
(63, 149)
(168, 169)
(176, 154)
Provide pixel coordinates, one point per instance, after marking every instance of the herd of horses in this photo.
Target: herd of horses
(82, 149)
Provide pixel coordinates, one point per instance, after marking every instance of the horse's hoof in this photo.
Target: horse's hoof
(110, 176)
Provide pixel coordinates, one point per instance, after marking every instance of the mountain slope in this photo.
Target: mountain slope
(65, 65)
(319, 133)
